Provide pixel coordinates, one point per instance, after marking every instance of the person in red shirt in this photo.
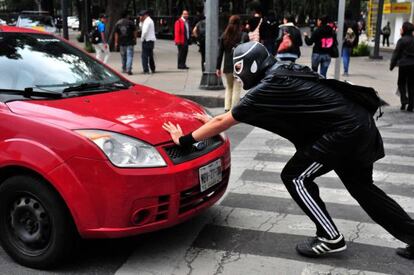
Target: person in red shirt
(182, 39)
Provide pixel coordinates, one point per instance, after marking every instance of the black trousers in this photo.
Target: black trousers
(147, 56)
(182, 56)
(406, 85)
(385, 38)
(298, 177)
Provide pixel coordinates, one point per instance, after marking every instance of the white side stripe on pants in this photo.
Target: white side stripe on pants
(310, 203)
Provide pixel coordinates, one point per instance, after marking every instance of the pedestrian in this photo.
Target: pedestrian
(329, 131)
(199, 33)
(324, 40)
(182, 39)
(403, 57)
(101, 46)
(148, 42)
(386, 33)
(270, 31)
(289, 40)
(232, 36)
(125, 38)
(254, 26)
(351, 40)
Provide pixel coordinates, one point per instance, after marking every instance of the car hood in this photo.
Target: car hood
(139, 112)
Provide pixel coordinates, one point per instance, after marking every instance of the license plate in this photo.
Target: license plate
(210, 175)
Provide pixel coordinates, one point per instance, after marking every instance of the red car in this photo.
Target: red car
(82, 152)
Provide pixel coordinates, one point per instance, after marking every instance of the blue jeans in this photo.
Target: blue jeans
(322, 59)
(147, 56)
(346, 55)
(127, 55)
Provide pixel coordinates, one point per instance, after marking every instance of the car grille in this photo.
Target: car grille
(180, 154)
(192, 197)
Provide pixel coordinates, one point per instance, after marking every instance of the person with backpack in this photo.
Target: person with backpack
(350, 39)
(231, 37)
(100, 41)
(289, 41)
(148, 40)
(125, 37)
(329, 131)
(403, 56)
(386, 33)
(324, 41)
(199, 33)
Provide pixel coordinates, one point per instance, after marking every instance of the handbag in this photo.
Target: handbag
(334, 53)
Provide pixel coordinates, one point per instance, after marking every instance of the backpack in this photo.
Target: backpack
(366, 97)
(350, 37)
(386, 30)
(95, 36)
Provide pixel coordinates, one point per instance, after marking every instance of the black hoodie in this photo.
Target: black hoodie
(318, 120)
(318, 35)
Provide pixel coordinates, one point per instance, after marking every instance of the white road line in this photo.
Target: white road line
(328, 195)
(392, 177)
(274, 222)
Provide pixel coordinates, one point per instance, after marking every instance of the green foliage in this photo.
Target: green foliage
(361, 50)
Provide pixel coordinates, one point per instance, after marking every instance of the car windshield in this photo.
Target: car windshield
(46, 62)
(35, 21)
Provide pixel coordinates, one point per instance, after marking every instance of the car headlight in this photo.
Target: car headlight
(124, 151)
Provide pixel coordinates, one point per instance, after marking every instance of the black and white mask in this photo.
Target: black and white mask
(249, 63)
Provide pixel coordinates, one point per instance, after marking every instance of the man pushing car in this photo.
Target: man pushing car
(330, 132)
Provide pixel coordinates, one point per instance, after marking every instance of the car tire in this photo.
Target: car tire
(36, 229)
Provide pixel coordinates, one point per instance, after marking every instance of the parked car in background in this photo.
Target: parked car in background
(84, 155)
(40, 21)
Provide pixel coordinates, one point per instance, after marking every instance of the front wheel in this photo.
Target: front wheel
(36, 229)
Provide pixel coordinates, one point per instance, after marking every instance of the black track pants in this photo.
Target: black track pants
(298, 176)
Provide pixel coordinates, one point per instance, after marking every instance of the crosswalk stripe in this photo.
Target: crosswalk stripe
(401, 135)
(340, 196)
(393, 156)
(289, 206)
(326, 182)
(239, 242)
(401, 168)
(277, 222)
(392, 177)
(212, 261)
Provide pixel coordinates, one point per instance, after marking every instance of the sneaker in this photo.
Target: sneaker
(407, 252)
(317, 246)
(129, 73)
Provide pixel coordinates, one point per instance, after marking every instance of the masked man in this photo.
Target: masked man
(329, 131)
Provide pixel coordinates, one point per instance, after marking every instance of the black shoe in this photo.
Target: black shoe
(317, 246)
(409, 108)
(402, 107)
(129, 73)
(407, 252)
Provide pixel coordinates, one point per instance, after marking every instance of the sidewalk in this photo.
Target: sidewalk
(168, 78)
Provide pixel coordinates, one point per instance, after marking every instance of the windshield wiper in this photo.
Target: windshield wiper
(29, 93)
(82, 87)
